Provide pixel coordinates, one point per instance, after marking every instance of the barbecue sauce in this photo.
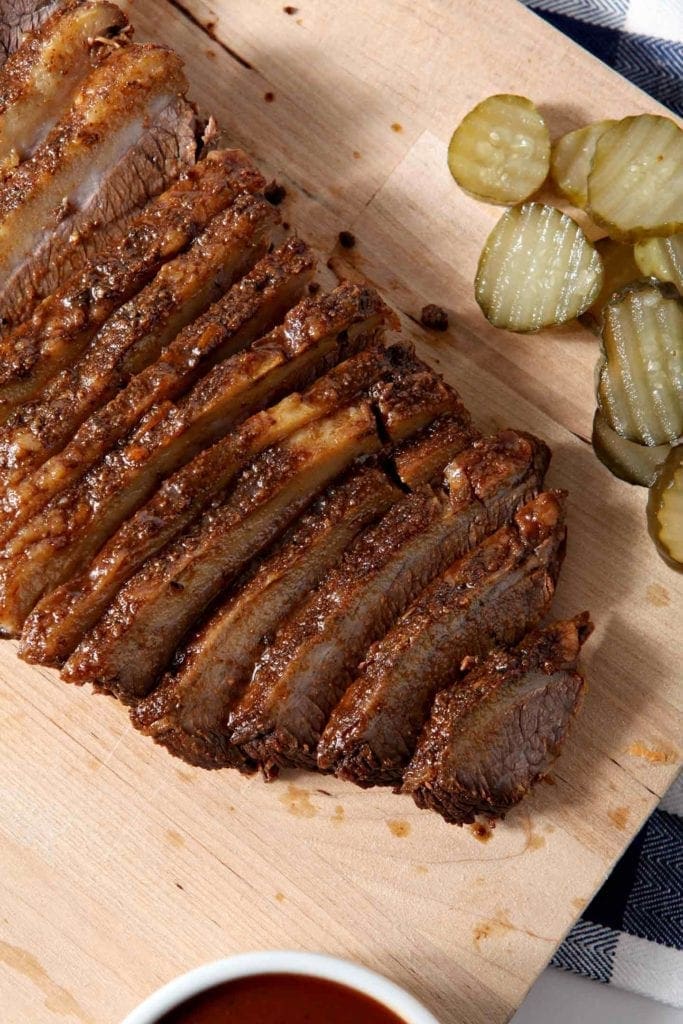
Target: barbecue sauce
(280, 999)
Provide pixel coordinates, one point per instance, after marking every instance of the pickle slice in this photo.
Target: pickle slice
(635, 185)
(537, 268)
(620, 269)
(665, 509)
(662, 258)
(571, 159)
(500, 151)
(635, 463)
(640, 377)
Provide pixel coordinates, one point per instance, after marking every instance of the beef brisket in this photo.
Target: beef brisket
(97, 165)
(496, 732)
(38, 83)
(305, 671)
(304, 346)
(251, 308)
(188, 711)
(65, 322)
(135, 640)
(490, 597)
(128, 342)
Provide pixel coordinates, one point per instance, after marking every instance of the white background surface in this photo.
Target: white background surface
(562, 998)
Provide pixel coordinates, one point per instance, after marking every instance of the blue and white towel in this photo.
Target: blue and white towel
(641, 39)
(631, 935)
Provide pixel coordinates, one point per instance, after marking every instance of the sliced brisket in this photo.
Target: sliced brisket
(39, 82)
(302, 675)
(130, 340)
(65, 322)
(127, 136)
(490, 597)
(304, 346)
(135, 640)
(496, 732)
(18, 18)
(188, 711)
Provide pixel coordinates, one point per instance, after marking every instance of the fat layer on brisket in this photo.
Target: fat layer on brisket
(38, 84)
(97, 165)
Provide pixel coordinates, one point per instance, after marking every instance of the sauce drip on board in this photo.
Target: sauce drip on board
(280, 999)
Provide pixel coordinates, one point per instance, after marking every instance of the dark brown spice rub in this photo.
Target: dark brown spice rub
(134, 642)
(188, 711)
(252, 306)
(69, 533)
(434, 318)
(61, 618)
(496, 732)
(64, 323)
(130, 340)
(491, 596)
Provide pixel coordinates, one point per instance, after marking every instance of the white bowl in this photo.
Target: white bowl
(314, 965)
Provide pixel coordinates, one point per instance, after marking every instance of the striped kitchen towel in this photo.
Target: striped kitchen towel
(631, 935)
(641, 39)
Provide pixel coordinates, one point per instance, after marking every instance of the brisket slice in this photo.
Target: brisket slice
(18, 18)
(496, 732)
(39, 82)
(302, 675)
(64, 323)
(490, 597)
(63, 617)
(188, 711)
(135, 640)
(251, 308)
(127, 136)
(130, 340)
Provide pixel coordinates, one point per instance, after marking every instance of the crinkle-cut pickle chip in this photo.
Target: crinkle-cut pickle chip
(665, 509)
(661, 258)
(571, 159)
(627, 460)
(500, 151)
(640, 377)
(619, 269)
(537, 268)
(635, 185)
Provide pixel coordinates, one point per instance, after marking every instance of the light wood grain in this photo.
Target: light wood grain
(121, 867)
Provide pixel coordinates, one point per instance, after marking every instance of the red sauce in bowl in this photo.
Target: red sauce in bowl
(280, 999)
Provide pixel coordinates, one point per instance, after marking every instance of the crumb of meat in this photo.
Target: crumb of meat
(347, 240)
(434, 318)
(275, 193)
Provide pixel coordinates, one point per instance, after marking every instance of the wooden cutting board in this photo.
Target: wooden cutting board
(121, 867)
